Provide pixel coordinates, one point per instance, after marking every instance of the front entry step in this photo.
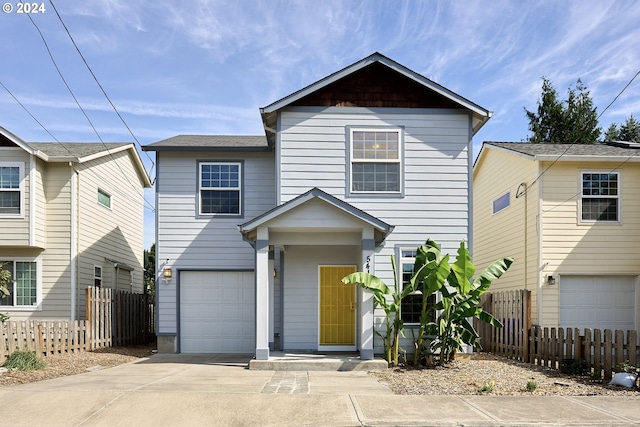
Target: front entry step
(284, 361)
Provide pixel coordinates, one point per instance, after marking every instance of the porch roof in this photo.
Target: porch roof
(381, 228)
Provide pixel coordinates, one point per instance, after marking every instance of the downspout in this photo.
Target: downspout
(73, 243)
(540, 240)
(522, 192)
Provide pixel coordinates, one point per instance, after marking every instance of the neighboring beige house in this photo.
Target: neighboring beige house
(570, 216)
(71, 215)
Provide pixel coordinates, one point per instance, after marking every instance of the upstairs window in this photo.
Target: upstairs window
(502, 202)
(411, 305)
(10, 189)
(375, 161)
(104, 198)
(220, 188)
(600, 199)
(23, 284)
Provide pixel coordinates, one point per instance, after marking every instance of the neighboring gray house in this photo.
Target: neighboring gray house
(71, 216)
(257, 231)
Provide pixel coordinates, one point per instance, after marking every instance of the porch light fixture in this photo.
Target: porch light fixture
(167, 272)
(551, 280)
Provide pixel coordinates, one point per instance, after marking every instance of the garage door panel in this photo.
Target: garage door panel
(217, 312)
(597, 302)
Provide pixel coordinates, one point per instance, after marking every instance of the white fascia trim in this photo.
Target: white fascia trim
(73, 244)
(569, 158)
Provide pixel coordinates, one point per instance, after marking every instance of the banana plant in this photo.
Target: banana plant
(431, 269)
(389, 299)
(460, 302)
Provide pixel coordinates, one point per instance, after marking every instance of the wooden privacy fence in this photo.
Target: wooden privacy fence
(119, 318)
(598, 351)
(113, 318)
(513, 309)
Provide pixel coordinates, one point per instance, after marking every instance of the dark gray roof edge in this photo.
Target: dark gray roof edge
(205, 148)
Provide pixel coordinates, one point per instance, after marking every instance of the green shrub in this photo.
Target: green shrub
(487, 387)
(532, 385)
(24, 360)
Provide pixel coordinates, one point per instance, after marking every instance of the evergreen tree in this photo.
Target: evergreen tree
(573, 120)
(150, 270)
(628, 131)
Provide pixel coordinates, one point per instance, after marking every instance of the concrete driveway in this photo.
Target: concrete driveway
(216, 390)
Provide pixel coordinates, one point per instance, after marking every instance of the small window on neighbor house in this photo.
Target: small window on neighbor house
(502, 202)
(220, 188)
(600, 197)
(375, 161)
(104, 198)
(10, 189)
(97, 276)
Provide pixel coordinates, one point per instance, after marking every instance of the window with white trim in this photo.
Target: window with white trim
(23, 283)
(375, 160)
(104, 198)
(502, 202)
(11, 192)
(411, 305)
(97, 276)
(220, 188)
(600, 197)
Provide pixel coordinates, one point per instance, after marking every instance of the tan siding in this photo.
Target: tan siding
(512, 231)
(56, 269)
(15, 231)
(574, 248)
(107, 235)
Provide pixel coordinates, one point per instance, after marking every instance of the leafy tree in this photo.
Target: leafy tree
(573, 120)
(150, 270)
(628, 131)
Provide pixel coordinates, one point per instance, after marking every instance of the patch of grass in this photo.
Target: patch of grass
(487, 387)
(24, 360)
(532, 385)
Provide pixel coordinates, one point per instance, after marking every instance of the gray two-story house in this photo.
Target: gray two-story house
(254, 233)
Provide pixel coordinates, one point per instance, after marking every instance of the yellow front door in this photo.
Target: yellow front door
(337, 307)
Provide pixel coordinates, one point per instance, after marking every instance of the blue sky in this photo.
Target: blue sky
(205, 67)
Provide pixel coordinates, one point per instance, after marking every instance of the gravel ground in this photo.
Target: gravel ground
(60, 365)
(459, 378)
(509, 378)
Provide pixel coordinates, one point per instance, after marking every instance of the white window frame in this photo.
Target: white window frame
(238, 188)
(20, 189)
(398, 160)
(406, 260)
(500, 198)
(582, 196)
(96, 276)
(106, 193)
(38, 304)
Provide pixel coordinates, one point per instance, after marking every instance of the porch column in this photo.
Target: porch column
(366, 298)
(262, 294)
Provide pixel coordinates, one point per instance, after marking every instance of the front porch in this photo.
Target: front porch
(298, 361)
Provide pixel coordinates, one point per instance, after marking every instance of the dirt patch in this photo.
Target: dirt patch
(61, 365)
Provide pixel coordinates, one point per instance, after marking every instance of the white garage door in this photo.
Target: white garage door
(597, 302)
(217, 313)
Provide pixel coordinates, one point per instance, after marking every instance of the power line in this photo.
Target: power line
(146, 204)
(98, 83)
(80, 106)
(576, 141)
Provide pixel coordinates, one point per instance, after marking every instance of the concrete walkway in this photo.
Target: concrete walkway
(183, 390)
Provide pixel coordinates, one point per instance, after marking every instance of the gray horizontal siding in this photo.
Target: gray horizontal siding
(192, 241)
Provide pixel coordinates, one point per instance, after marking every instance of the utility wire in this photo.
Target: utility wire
(576, 141)
(100, 85)
(80, 106)
(146, 204)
